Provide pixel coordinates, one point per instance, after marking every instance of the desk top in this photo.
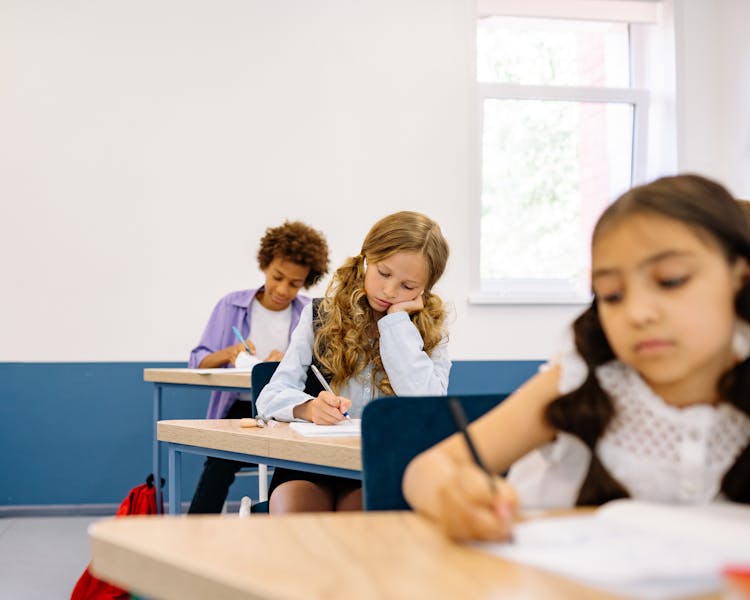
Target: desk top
(276, 440)
(215, 378)
(390, 555)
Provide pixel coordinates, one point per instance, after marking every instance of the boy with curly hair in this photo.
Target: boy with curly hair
(292, 256)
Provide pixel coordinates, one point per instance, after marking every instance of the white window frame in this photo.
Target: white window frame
(559, 291)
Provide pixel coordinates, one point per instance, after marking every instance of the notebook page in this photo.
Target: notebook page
(632, 548)
(725, 524)
(347, 427)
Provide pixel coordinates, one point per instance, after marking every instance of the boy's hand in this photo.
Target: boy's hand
(328, 408)
(469, 509)
(275, 355)
(235, 350)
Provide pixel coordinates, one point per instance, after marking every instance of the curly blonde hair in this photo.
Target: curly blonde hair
(342, 345)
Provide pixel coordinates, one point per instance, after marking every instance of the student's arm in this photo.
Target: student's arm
(410, 370)
(225, 356)
(284, 398)
(445, 484)
(211, 351)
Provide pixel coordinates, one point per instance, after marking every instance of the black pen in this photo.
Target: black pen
(461, 424)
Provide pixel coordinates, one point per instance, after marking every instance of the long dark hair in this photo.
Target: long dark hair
(711, 211)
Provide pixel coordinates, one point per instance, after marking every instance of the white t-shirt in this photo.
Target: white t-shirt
(659, 452)
(269, 330)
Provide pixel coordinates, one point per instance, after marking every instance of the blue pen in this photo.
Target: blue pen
(324, 383)
(238, 335)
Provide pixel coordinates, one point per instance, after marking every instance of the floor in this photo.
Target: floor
(42, 557)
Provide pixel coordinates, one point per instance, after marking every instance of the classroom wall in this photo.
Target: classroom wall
(713, 90)
(77, 436)
(146, 145)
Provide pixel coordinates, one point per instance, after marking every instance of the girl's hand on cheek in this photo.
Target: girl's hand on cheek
(409, 306)
(328, 408)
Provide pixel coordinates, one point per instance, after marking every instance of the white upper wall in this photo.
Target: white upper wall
(146, 146)
(713, 90)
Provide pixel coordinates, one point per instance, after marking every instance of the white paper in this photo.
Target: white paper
(347, 427)
(638, 549)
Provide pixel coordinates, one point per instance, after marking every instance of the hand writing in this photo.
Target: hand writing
(328, 408)
(469, 508)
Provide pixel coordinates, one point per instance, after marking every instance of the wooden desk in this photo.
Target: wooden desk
(394, 555)
(222, 379)
(276, 445)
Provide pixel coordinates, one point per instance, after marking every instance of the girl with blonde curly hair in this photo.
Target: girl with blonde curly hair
(379, 331)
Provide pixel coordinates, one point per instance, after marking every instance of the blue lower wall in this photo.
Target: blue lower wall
(80, 433)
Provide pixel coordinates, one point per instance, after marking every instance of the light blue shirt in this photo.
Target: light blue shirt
(410, 370)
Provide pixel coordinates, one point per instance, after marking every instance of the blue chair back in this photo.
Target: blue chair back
(262, 373)
(395, 430)
(260, 376)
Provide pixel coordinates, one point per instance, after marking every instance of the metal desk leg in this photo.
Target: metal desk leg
(175, 483)
(262, 483)
(156, 458)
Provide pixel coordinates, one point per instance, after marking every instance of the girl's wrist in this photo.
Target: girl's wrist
(302, 411)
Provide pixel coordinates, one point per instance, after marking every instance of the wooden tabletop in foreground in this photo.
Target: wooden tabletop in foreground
(396, 555)
(276, 440)
(216, 378)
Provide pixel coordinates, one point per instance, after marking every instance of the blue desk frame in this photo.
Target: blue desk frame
(175, 467)
(157, 397)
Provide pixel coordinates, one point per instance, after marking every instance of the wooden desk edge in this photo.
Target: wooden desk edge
(329, 452)
(129, 552)
(155, 574)
(184, 376)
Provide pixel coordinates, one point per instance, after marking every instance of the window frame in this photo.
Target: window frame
(634, 12)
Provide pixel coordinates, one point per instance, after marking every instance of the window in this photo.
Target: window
(562, 133)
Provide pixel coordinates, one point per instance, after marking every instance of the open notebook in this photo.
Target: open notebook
(347, 427)
(637, 549)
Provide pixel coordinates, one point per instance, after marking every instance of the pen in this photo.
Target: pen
(461, 423)
(324, 383)
(238, 335)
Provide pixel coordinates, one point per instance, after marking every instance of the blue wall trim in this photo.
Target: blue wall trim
(80, 433)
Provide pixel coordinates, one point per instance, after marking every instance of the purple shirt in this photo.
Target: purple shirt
(232, 309)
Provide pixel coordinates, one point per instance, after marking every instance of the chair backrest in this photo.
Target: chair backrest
(260, 376)
(395, 430)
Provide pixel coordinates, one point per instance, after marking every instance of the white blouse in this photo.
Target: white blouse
(659, 452)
